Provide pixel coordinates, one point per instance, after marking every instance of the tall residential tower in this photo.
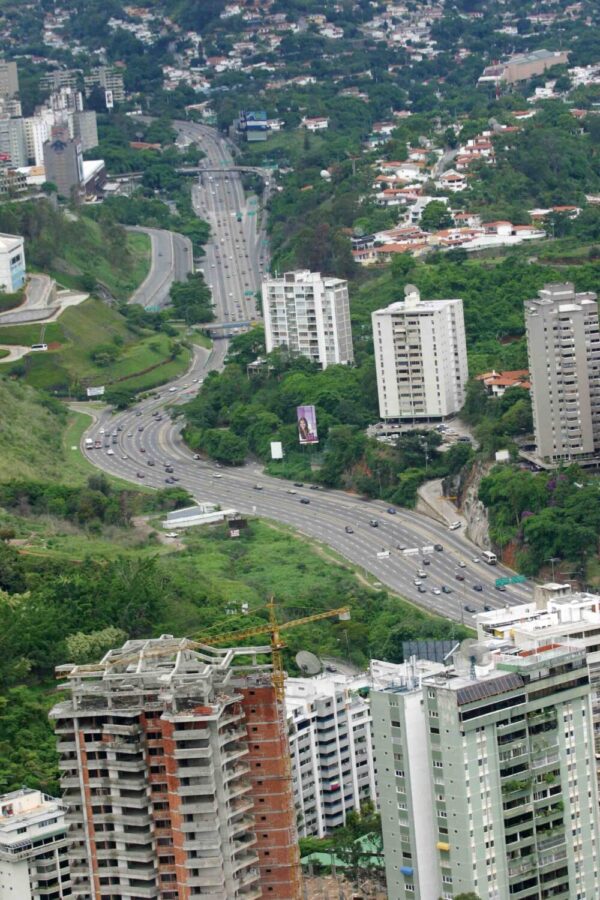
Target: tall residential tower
(309, 315)
(487, 779)
(420, 358)
(563, 344)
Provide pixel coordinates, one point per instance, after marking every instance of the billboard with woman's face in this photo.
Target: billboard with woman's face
(307, 425)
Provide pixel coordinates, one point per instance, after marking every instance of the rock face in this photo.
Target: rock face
(466, 487)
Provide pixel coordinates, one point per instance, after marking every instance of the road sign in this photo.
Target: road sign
(514, 579)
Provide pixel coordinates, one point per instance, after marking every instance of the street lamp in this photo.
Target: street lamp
(552, 560)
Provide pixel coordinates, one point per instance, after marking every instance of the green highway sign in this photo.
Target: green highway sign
(514, 579)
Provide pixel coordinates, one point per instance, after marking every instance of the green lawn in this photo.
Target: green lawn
(80, 331)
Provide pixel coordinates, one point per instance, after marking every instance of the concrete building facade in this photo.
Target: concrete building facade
(563, 345)
(9, 79)
(176, 774)
(487, 780)
(63, 161)
(108, 79)
(308, 314)
(33, 847)
(12, 263)
(13, 141)
(85, 128)
(420, 358)
(329, 725)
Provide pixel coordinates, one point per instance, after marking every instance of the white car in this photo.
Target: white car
(417, 582)
(436, 591)
(171, 534)
(102, 431)
(110, 452)
(476, 559)
(217, 475)
(454, 526)
(172, 390)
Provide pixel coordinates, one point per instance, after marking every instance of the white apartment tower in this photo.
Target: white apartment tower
(33, 847)
(308, 314)
(420, 358)
(329, 725)
(563, 344)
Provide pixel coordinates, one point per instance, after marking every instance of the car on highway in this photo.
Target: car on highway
(169, 481)
(421, 573)
(349, 530)
(110, 452)
(197, 456)
(172, 390)
(436, 591)
(139, 412)
(169, 469)
(304, 500)
(102, 431)
(446, 590)
(454, 526)
(124, 456)
(421, 589)
(459, 577)
(140, 427)
(478, 587)
(140, 475)
(487, 607)
(426, 562)
(130, 434)
(314, 487)
(469, 608)
(150, 462)
(500, 587)
(373, 523)
(461, 564)
(258, 487)
(291, 491)
(475, 559)
(391, 510)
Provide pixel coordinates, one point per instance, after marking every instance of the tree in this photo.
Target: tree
(435, 216)
(87, 648)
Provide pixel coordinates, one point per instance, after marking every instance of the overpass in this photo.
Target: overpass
(196, 170)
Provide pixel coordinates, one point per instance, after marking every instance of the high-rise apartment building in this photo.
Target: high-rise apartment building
(563, 344)
(176, 773)
(420, 358)
(85, 128)
(63, 161)
(33, 847)
(9, 79)
(331, 742)
(108, 79)
(309, 315)
(13, 140)
(487, 779)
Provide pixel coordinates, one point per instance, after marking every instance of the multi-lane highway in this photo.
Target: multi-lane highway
(147, 438)
(172, 260)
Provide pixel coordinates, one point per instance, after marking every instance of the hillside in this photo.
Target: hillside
(31, 430)
(79, 252)
(96, 344)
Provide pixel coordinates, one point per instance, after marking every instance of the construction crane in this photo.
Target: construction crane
(277, 644)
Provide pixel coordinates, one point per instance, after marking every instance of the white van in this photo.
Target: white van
(39, 347)
(454, 526)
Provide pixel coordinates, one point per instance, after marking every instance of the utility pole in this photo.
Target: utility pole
(552, 560)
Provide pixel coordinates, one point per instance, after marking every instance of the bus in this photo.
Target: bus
(490, 558)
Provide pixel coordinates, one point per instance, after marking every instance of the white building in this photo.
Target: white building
(12, 263)
(308, 314)
(420, 358)
(33, 847)
(37, 132)
(331, 742)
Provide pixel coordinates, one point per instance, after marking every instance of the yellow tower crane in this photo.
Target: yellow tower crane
(277, 644)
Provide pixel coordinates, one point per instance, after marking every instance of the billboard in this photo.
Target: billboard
(109, 99)
(95, 391)
(307, 425)
(276, 450)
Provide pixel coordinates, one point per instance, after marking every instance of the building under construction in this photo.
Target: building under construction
(176, 774)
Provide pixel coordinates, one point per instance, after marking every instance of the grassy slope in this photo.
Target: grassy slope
(79, 331)
(91, 257)
(30, 435)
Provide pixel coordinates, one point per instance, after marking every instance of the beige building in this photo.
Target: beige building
(563, 344)
(420, 358)
(308, 314)
(9, 79)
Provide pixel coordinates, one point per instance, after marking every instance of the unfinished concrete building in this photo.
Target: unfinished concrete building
(176, 774)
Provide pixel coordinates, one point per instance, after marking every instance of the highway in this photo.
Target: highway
(172, 260)
(147, 437)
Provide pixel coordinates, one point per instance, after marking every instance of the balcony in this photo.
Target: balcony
(188, 752)
(204, 862)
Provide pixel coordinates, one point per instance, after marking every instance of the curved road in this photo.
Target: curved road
(147, 434)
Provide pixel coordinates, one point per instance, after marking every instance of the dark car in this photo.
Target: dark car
(459, 577)
(304, 500)
(373, 523)
(477, 587)
(140, 475)
(426, 562)
(150, 462)
(298, 484)
(349, 530)
(446, 590)
(391, 510)
(500, 587)
(421, 589)
(469, 608)
(438, 547)
(169, 481)
(315, 487)
(487, 607)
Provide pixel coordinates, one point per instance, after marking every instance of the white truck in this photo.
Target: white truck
(89, 443)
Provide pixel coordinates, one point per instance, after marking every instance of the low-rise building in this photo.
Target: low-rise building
(33, 847)
(12, 263)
